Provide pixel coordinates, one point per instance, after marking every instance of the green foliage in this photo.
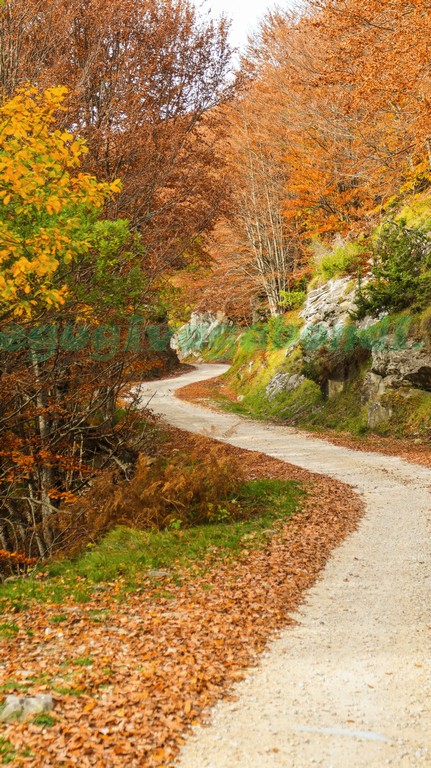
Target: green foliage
(425, 325)
(401, 272)
(116, 281)
(253, 339)
(47, 206)
(345, 259)
(417, 212)
(292, 300)
(280, 334)
(126, 554)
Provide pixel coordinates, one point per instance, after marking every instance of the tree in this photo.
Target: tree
(254, 238)
(144, 78)
(43, 202)
(76, 284)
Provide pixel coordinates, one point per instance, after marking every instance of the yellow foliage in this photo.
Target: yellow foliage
(44, 199)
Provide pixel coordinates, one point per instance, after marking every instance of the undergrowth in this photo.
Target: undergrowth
(125, 557)
(176, 489)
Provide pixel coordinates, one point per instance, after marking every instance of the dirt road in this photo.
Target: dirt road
(349, 687)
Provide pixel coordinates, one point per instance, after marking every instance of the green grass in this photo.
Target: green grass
(43, 720)
(344, 412)
(221, 349)
(411, 414)
(125, 556)
(8, 630)
(342, 260)
(59, 618)
(83, 661)
(7, 752)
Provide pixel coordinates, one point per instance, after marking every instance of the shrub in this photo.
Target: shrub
(12, 563)
(178, 492)
(401, 272)
(280, 333)
(292, 300)
(343, 259)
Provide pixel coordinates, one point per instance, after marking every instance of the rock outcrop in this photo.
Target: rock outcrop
(410, 367)
(331, 303)
(283, 382)
(202, 328)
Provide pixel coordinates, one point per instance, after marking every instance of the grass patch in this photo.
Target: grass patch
(43, 720)
(12, 686)
(344, 259)
(84, 661)
(123, 558)
(7, 752)
(8, 630)
(66, 690)
(59, 618)
(343, 412)
(221, 349)
(411, 414)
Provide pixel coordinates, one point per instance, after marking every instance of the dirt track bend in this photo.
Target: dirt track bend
(350, 686)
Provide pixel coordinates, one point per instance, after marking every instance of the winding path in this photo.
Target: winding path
(349, 686)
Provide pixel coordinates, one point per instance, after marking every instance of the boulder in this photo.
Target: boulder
(202, 327)
(403, 368)
(377, 414)
(21, 707)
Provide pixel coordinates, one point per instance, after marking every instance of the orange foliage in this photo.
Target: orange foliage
(339, 106)
(172, 490)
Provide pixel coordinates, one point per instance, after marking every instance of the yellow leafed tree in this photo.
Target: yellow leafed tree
(44, 200)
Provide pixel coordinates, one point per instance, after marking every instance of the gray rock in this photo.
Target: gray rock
(403, 368)
(35, 705)
(377, 414)
(335, 387)
(283, 382)
(12, 708)
(373, 389)
(331, 303)
(202, 327)
(20, 707)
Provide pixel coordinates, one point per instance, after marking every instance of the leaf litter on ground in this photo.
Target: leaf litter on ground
(130, 676)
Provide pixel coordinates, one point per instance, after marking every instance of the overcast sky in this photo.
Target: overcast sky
(245, 14)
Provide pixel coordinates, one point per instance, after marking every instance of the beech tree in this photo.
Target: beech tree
(263, 249)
